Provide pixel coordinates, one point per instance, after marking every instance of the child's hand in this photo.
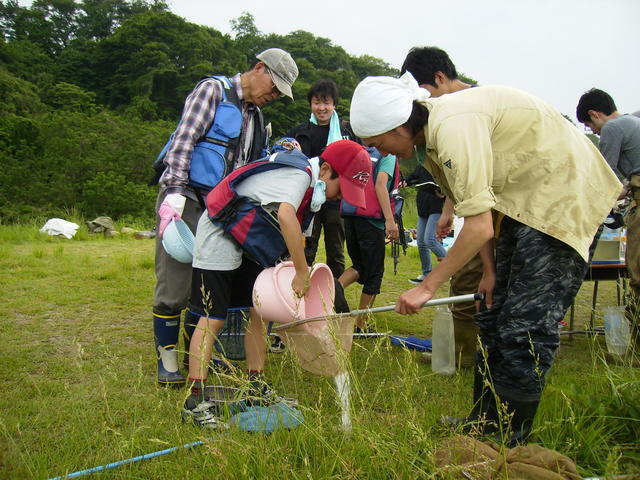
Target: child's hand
(300, 284)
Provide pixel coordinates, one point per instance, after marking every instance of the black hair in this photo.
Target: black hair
(424, 62)
(323, 89)
(334, 174)
(594, 99)
(418, 119)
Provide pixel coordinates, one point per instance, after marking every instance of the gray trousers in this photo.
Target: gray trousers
(173, 279)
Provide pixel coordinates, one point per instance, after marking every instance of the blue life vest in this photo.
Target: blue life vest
(255, 229)
(372, 207)
(213, 157)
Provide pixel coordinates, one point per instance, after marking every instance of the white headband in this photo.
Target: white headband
(380, 104)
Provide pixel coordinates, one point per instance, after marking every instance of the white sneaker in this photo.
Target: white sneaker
(416, 280)
(202, 413)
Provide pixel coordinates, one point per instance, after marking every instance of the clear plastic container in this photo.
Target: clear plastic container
(443, 354)
(617, 333)
(623, 245)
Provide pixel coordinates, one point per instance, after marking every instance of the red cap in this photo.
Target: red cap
(352, 163)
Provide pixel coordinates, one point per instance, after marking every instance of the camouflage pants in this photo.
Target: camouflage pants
(537, 279)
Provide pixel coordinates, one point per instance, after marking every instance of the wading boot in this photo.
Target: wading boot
(484, 408)
(520, 411)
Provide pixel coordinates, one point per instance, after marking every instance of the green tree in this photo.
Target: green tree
(245, 26)
(69, 97)
(158, 55)
(18, 96)
(60, 20)
(102, 17)
(77, 64)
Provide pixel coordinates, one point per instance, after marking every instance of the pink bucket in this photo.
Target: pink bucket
(275, 300)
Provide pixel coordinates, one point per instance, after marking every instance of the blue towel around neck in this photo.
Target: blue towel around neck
(335, 133)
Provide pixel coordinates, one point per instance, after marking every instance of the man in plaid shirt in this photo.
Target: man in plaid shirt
(270, 78)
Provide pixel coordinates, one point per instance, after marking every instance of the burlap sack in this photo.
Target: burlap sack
(465, 457)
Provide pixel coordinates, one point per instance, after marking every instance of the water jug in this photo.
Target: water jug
(443, 354)
(616, 330)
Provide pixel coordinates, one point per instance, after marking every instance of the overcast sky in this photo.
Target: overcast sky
(555, 49)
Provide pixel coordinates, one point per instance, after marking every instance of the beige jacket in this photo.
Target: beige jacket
(499, 148)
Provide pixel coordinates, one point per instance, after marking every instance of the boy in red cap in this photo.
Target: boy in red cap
(289, 187)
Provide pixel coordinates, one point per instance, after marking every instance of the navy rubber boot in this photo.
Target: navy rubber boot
(166, 329)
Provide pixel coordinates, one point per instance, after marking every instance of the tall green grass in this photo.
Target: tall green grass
(79, 390)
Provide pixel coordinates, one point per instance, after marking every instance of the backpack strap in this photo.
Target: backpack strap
(229, 93)
(260, 141)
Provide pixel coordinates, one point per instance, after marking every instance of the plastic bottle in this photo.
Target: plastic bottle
(443, 346)
(623, 245)
(617, 334)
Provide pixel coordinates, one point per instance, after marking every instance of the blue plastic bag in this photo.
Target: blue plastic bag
(412, 343)
(268, 419)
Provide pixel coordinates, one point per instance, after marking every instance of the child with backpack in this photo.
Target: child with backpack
(253, 218)
(366, 230)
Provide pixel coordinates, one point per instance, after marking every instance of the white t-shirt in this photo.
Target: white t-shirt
(214, 250)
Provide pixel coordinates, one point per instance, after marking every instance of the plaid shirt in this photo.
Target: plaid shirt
(197, 117)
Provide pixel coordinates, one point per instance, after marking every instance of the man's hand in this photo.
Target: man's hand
(488, 280)
(172, 207)
(486, 286)
(412, 300)
(443, 227)
(445, 222)
(391, 229)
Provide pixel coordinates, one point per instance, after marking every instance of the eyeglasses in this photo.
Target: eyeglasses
(274, 88)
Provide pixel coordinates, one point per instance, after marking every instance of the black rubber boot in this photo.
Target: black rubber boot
(483, 401)
(521, 410)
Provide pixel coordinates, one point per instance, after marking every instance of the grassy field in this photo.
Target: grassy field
(79, 390)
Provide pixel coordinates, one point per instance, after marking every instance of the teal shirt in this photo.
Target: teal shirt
(388, 166)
